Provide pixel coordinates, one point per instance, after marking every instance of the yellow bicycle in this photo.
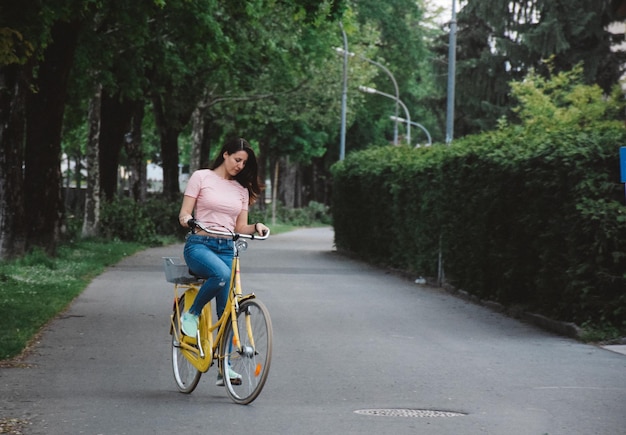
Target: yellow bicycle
(240, 341)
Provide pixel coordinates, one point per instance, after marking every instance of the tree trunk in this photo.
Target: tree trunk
(297, 186)
(115, 123)
(205, 146)
(320, 182)
(200, 157)
(169, 154)
(197, 139)
(134, 150)
(201, 141)
(275, 190)
(12, 128)
(91, 219)
(287, 187)
(44, 119)
(169, 150)
(262, 161)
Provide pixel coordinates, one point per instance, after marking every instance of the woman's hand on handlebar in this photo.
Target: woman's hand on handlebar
(191, 222)
(261, 229)
(185, 220)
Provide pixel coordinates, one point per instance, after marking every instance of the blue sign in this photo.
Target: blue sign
(622, 162)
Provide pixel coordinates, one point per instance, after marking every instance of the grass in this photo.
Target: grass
(36, 288)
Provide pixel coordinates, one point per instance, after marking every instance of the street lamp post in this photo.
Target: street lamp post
(451, 76)
(344, 95)
(393, 80)
(417, 124)
(406, 111)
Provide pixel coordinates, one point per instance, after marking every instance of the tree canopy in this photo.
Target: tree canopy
(499, 41)
(119, 82)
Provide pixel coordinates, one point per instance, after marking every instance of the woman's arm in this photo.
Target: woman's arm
(242, 226)
(186, 210)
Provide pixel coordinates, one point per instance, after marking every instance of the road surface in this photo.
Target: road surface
(357, 351)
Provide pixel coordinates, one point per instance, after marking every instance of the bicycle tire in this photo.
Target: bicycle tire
(186, 374)
(253, 362)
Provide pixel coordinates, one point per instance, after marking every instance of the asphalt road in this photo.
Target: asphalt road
(356, 351)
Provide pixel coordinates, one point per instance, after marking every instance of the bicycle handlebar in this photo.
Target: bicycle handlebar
(194, 223)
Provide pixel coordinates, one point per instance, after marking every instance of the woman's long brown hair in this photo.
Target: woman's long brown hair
(248, 177)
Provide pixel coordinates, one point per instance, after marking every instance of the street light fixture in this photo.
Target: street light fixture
(417, 124)
(406, 111)
(343, 52)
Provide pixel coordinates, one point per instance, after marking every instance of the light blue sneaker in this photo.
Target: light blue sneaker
(235, 378)
(189, 324)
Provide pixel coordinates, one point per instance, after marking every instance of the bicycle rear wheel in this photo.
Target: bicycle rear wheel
(185, 374)
(252, 362)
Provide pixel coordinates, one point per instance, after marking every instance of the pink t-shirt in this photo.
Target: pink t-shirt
(218, 201)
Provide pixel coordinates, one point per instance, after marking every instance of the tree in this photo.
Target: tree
(112, 56)
(500, 41)
(168, 56)
(269, 90)
(13, 88)
(38, 42)
(15, 52)
(394, 34)
(563, 101)
(91, 217)
(44, 120)
(298, 130)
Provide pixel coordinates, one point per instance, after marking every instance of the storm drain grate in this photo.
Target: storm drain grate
(408, 413)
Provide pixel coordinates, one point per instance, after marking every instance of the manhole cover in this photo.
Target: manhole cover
(408, 413)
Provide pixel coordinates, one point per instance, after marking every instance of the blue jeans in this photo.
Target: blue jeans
(210, 258)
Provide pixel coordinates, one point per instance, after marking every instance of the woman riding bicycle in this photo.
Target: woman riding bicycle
(220, 197)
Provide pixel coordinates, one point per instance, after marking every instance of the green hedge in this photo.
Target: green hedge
(536, 221)
(127, 220)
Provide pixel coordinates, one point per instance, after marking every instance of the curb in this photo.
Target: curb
(566, 329)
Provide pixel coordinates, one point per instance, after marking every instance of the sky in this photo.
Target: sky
(447, 5)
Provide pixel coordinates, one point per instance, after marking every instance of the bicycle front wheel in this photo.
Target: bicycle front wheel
(185, 374)
(250, 361)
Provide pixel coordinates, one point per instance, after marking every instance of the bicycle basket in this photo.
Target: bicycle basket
(177, 272)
